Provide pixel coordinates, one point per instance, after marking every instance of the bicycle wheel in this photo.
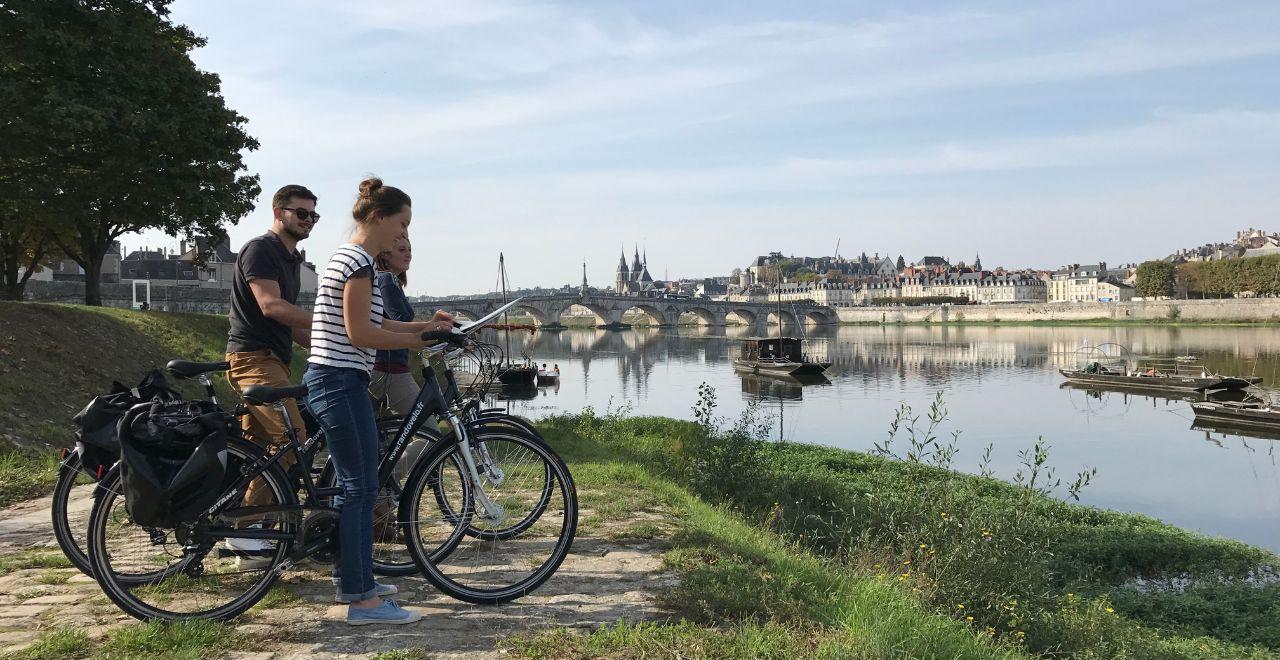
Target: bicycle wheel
(497, 417)
(492, 473)
(390, 552)
(195, 575)
(72, 498)
(483, 569)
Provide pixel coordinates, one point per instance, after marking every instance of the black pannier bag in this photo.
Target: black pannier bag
(97, 423)
(173, 457)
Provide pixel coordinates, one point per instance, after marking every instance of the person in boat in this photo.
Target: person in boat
(543, 370)
(391, 382)
(555, 371)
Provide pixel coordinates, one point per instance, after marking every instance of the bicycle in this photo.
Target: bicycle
(190, 580)
(86, 463)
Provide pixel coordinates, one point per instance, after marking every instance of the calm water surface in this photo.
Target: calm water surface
(1001, 386)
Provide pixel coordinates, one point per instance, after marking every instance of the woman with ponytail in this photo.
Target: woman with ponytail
(348, 327)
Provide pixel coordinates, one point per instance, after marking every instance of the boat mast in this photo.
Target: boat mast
(506, 333)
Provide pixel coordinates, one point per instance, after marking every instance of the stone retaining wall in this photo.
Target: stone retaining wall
(165, 298)
(1240, 310)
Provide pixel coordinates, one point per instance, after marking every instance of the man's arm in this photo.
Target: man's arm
(267, 293)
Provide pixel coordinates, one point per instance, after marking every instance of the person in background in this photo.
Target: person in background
(265, 323)
(392, 381)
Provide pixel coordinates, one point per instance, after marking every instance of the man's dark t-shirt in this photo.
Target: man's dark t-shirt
(263, 258)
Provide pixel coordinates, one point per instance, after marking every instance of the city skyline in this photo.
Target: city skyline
(1036, 136)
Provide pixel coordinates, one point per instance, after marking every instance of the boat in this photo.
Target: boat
(1256, 414)
(779, 356)
(516, 374)
(510, 373)
(548, 378)
(1180, 374)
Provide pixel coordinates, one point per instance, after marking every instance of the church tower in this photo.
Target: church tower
(584, 291)
(623, 279)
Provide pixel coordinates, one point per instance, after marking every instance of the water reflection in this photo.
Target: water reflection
(1001, 386)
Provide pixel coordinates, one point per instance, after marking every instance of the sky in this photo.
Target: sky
(1033, 134)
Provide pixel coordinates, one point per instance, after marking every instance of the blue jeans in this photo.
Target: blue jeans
(339, 398)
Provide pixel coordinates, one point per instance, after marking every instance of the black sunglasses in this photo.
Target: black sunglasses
(302, 213)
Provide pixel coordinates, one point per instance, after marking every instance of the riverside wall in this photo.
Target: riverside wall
(164, 298)
(1241, 310)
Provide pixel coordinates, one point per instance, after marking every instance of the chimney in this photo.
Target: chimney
(182, 247)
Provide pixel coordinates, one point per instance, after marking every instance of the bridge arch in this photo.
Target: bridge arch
(785, 316)
(743, 316)
(656, 316)
(601, 313)
(539, 317)
(817, 317)
(704, 315)
(459, 314)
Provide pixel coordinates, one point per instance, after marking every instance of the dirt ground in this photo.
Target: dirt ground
(603, 579)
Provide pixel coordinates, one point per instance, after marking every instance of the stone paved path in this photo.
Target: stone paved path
(604, 579)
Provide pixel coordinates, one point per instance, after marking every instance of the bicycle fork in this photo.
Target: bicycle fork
(491, 512)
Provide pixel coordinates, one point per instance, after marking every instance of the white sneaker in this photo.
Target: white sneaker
(257, 548)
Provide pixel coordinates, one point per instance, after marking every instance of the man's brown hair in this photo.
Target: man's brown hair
(281, 198)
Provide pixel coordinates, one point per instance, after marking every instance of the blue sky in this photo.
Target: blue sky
(1037, 134)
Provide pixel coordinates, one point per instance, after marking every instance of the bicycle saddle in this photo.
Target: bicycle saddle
(188, 369)
(261, 395)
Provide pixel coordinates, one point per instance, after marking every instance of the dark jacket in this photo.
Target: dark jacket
(395, 306)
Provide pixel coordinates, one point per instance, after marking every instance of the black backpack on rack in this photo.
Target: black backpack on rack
(97, 424)
(173, 457)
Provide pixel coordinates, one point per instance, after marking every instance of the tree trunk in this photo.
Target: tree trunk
(92, 250)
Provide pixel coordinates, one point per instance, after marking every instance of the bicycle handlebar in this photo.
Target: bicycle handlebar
(448, 336)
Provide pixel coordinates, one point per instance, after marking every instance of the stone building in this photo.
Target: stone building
(1089, 283)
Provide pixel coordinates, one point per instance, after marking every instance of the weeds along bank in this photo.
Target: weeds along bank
(1008, 561)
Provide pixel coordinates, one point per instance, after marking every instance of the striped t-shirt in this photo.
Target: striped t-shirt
(330, 345)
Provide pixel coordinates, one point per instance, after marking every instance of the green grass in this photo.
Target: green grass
(55, 644)
(54, 358)
(188, 640)
(852, 545)
(744, 591)
(53, 577)
(32, 559)
(25, 473)
(403, 654)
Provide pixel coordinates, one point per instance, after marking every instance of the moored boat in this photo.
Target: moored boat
(1251, 414)
(1180, 374)
(782, 356)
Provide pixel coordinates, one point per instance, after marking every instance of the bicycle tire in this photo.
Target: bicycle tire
(478, 434)
(390, 493)
(453, 573)
(70, 470)
(124, 594)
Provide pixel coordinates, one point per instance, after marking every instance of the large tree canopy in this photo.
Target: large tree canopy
(108, 126)
(1155, 279)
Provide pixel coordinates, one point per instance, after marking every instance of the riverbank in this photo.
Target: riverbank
(1249, 311)
(1019, 570)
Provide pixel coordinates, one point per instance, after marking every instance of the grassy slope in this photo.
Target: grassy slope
(744, 590)
(55, 358)
(852, 549)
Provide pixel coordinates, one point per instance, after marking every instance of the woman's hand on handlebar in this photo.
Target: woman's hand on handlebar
(442, 315)
(438, 324)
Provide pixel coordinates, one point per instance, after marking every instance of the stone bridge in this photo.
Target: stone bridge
(609, 309)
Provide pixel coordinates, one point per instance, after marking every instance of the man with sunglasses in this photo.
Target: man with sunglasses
(265, 323)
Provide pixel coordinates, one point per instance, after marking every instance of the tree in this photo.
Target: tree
(902, 263)
(115, 127)
(1156, 279)
(23, 246)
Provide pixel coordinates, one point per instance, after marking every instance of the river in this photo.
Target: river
(1000, 384)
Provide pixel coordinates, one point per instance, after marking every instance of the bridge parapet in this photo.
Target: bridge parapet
(661, 311)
